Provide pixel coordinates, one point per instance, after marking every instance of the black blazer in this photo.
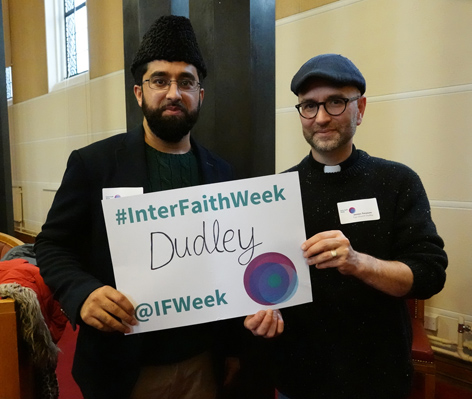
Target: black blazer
(73, 253)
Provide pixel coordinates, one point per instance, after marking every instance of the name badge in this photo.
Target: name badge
(358, 211)
(118, 192)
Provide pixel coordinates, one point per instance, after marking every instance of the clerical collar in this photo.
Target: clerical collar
(337, 168)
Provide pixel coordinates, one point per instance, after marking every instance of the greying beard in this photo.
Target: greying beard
(171, 129)
(342, 138)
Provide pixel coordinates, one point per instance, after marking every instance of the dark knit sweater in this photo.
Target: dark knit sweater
(354, 341)
(169, 171)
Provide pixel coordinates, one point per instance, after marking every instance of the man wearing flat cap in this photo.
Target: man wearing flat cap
(371, 244)
(72, 249)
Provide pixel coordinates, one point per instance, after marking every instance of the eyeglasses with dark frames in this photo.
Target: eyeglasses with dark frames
(334, 106)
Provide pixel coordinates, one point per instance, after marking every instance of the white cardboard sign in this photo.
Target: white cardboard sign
(209, 252)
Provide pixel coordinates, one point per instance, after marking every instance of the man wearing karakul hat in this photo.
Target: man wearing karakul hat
(72, 249)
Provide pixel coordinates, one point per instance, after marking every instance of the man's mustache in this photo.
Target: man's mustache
(176, 104)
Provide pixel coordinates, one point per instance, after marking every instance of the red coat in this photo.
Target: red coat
(21, 272)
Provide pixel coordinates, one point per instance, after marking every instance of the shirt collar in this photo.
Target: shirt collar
(337, 168)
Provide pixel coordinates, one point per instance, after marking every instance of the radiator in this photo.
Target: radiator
(17, 204)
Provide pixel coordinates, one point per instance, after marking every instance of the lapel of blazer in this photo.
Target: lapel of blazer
(130, 157)
(208, 164)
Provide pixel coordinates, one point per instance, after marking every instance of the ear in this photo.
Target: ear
(138, 93)
(361, 105)
(202, 94)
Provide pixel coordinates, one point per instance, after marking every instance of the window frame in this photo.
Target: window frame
(56, 48)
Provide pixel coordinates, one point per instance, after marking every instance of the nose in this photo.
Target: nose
(173, 93)
(322, 117)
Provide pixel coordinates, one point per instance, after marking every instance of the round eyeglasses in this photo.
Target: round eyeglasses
(333, 106)
(163, 84)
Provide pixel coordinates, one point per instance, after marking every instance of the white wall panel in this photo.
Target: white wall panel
(48, 128)
(107, 103)
(430, 133)
(455, 226)
(291, 146)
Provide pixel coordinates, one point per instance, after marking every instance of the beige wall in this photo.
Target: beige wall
(45, 129)
(105, 26)
(285, 8)
(415, 56)
(26, 39)
(28, 49)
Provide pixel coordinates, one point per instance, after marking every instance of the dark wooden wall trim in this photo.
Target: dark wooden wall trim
(456, 371)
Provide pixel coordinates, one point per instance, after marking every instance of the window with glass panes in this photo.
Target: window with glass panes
(9, 83)
(75, 22)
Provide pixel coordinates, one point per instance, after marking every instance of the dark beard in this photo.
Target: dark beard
(173, 128)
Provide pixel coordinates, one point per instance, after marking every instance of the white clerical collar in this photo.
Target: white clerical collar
(332, 169)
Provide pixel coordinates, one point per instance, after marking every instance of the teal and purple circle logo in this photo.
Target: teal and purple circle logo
(271, 278)
(352, 210)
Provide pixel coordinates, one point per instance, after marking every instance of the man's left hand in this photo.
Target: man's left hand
(332, 249)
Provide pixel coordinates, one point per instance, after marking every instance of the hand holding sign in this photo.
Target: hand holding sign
(104, 306)
(267, 324)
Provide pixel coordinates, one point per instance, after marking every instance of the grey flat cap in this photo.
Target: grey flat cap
(332, 67)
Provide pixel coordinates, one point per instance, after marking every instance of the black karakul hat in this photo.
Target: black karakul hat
(170, 38)
(332, 67)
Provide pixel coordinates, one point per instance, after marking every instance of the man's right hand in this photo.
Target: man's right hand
(265, 323)
(106, 308)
